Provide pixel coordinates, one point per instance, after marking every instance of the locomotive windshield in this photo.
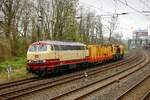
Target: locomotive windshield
(33, 48)
(38, 48)
(42, 48)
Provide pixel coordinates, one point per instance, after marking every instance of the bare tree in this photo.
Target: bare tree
(26, 21)
(10, 9)
(99, 29)
(63, 18)
(113, 24)
(87, 25)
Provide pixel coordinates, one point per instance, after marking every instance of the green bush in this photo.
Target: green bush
(15, 62)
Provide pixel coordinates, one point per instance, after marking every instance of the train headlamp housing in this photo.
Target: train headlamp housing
(44, 61)
(29, 61)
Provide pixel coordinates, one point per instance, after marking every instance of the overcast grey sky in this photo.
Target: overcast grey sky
(126, 23)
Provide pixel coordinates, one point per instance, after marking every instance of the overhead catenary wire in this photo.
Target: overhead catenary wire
(145, 4)
(126, 4)
(92, 6)
(109, 15)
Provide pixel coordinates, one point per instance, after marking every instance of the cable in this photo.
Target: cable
(130, 6)
(145, 4)
(133, 8)
(91, 5)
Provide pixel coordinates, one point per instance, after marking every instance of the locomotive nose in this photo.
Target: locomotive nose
(38, 70)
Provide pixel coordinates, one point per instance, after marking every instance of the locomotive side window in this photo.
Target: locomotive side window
(68, 47)
(62, 47)
(80, 48)
(52, 47)
(56, 47)
(85, 48)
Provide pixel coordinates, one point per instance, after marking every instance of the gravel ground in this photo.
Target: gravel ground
(147, 97)
(114, 90)
(52, 92)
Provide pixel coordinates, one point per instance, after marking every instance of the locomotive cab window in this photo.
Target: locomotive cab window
(42, 48)
(38, 48)
(33, 48)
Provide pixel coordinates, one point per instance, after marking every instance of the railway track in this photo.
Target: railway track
(33, 79)
(137, 90)
(146, 96)
(18, 82)
(20, 92)
(86, 90)
(132, 90)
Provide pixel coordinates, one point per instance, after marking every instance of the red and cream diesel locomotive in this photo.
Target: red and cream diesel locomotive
(44, 57)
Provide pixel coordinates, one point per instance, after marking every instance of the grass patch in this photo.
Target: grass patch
(15, 62)
(18, 69)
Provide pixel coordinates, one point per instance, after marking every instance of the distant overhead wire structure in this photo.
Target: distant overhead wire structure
(108, 13)
(145, 3)
(91, 5)
(131, 7)
(113, 15)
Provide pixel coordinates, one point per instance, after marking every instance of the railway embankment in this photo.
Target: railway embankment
(109, 81)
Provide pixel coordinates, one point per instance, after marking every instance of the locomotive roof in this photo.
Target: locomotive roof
(60, 43)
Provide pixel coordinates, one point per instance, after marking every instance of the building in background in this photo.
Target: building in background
(140, 34)
(139, 39)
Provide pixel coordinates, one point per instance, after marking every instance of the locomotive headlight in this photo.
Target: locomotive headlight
(44, 61)
(29, 61)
